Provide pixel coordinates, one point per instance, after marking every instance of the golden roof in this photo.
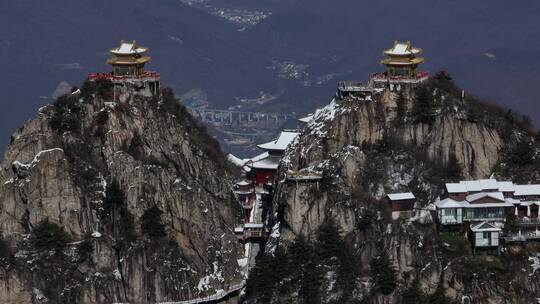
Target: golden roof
(128, 48)
(403, 49)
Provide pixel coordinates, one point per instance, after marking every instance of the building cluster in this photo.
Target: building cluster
(255, 186)
(485, 205)
(482, 208)
(258, 172)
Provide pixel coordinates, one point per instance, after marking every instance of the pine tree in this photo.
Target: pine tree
(151, 224)
(259, 284)
(523, 153)
(114, 196)
(310, 283)
(5, 252)
(401, 109)
(281, 270)
(85, 250)
(383, 274)
(305, 270)
(453, 170)
(422, 110)
(348, 271)
(439, 296)
(413, 295)
(511, 223)
(330, 243)
(117, 214)
(49, 236)
(367, 218)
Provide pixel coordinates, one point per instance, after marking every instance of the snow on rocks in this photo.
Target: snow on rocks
(22, 169)
(96, 234)
(117, 275)
(242, 262)
(205, 282)
(535, 265)
(103, 183)
(275, 231)
(423, 216)
(39, 296)
(331, 278)
(321, 116)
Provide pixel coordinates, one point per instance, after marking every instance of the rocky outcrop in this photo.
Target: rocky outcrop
(363, 150)
(59, 168)
(333, 143)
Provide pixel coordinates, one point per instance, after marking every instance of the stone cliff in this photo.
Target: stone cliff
(366, 147)
(141, 192)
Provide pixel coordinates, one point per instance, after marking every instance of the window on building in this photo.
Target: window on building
(449, 212)
(485, 213)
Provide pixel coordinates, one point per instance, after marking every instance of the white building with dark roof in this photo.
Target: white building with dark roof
(485, 235)
(489, 200)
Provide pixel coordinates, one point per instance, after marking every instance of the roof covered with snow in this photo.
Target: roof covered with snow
(456, 188)
(243, 183)
(269, 163)
(524, 190)
(506, 186)
(247, 162)
(306, 119)
(401, 196)
(449, 203)
(128, 48)
(235, 160)
(480, 185)
(253, 225)
(484, 226)
(281, 143)
(403, 49)
(494, 195)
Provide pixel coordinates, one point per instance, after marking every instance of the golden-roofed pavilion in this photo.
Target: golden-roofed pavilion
(402, 60)
(128, 59)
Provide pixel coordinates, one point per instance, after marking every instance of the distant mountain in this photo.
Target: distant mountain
(296, 52)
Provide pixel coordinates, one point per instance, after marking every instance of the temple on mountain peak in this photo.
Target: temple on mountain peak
(128, 59)
(401, 66)
(402, 60)
(128, 73)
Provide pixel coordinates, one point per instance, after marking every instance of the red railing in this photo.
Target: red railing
(383, 76)
(110, 76)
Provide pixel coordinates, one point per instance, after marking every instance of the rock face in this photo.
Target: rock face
(333, 143)
(60, 167)
(364, 150)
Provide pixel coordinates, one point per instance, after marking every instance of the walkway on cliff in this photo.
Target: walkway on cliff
(219, 295)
